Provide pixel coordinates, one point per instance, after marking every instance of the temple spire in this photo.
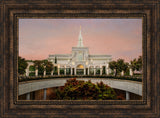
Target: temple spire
(80, 39)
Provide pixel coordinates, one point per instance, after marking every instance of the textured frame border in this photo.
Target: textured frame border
(10, 10)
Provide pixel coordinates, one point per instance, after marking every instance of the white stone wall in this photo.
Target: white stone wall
(130, 86)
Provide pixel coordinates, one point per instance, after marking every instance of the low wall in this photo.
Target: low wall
(126, 85)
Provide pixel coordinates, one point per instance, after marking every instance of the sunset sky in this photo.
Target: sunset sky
(121, 38)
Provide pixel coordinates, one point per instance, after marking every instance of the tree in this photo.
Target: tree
(118, 66)
(126, 66)
(22, 65)
(113, 65)
(38, 65)
(49, 65)
(42, 65)
(133, 64)
(81, 90)
(121, 65)
(139, 63)
(136, 64)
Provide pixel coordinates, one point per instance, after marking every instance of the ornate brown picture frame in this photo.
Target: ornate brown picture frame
(12, 10)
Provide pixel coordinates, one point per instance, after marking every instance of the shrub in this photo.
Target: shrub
(32, 74)
(25, 78)
(80, 90)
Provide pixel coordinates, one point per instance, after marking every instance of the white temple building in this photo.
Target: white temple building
(80, 62)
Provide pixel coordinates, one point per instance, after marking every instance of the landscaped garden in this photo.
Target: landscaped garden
(81, 90)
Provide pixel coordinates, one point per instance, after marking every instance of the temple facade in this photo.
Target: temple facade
(80, 62)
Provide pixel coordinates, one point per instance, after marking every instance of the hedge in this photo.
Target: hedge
(26, 78)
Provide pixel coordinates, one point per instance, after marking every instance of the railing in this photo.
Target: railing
(28, 78)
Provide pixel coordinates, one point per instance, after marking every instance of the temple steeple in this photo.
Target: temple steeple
(80, 39)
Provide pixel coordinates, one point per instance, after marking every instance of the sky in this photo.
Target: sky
(121, 38)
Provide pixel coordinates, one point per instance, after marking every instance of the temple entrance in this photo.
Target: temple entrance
(80, 69)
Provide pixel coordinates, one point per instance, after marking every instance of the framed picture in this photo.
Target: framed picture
(79, 59)
(79, 72)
